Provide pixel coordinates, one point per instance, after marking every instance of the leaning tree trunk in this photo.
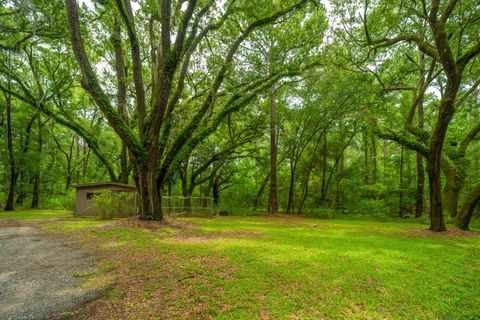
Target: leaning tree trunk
(467, 208)
(260, 191)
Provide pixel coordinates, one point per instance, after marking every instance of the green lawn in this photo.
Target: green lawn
(282, 268)
(36, 214)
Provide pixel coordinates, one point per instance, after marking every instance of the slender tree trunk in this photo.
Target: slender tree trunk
(407, 182)
(338, 179)
(291, 186)
(86, 156)
(21, 191)
(401, 185)
(260, 191)
(385, 157)
(419, 201)
(373, 157)
(366, 178)
(216, 189)
(273, 196)
(124, 170)
(77, 157)
(323, 187)
(36, 191)
(11, 158)
(187, 204)
(308, 172)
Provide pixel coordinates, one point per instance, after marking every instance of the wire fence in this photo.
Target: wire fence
(187, 206)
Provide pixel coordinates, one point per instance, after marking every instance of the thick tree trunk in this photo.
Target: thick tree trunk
(453, 185)
(150, 199)
(467, 208)
(437, 222)
(273, 196)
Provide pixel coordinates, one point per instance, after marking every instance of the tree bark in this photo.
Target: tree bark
(385, 156)
(401, 185)
(419, 198)
(366, 177)
(150, 197)
(9, 206)
(373, 157)
(467, 208)
(453, 185)
(291, 186)
(338, 178)
(323, 187)
(273, 196)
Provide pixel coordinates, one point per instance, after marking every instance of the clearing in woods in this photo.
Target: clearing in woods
(277, 268)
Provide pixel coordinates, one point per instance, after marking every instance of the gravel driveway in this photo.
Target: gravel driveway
(37, 273)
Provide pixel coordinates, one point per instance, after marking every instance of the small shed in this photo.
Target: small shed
(86, 193)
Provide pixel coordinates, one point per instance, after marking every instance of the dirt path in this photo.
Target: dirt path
(37, 273)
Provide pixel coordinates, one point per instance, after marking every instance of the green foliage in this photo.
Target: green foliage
(103, 205)
(61, 201)
(108, 204)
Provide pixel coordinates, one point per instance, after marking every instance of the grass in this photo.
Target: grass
(280, 268)
(36, 214)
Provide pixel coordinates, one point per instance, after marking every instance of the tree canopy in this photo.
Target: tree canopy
(297, 106)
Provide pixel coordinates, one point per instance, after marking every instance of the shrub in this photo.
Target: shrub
(108, 203)
(59, 202)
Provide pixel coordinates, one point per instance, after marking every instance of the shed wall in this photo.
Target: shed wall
(83, 206)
